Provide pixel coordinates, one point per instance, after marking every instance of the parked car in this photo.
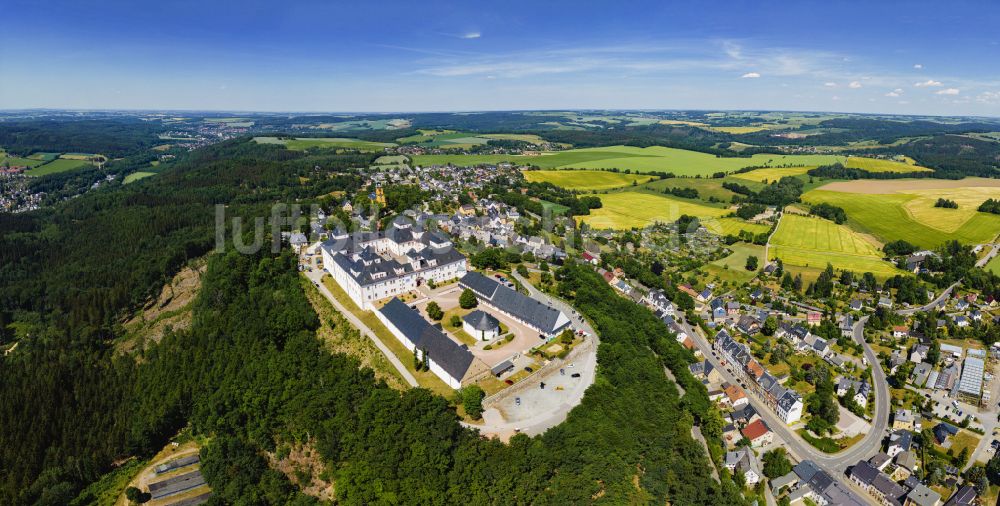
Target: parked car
(529, 369)
(575, 375)
(509, 381)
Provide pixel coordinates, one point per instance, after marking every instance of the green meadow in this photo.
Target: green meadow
(812, 242)
(302, 143)
(680, 162)
(585, 180)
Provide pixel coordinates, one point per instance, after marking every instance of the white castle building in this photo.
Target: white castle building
(373, 266)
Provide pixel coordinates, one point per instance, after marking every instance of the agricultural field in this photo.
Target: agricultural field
(813, 242)
(531, 138)
(772, 174)
(135, 176)
(904, 209)
(56, 166)
(877, 165)
(13, 161)
(302, 143)
(556, 209)
(994, 265)
(585, 180)
(680, 162)
(733, 226)
(624, 210)
(444, 139)
(707, 187)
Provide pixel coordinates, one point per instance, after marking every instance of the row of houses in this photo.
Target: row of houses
(885, 490)
(786, 403)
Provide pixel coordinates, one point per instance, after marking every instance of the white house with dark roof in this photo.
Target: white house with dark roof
(448, 360)
(544, 319)
(481, 325)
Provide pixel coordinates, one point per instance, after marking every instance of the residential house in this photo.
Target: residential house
(744, 461)
(736, 396)
(748, 325)
(903, 419)
(922, 496)
(877, 484)
(847, 326)
(965, 496)
(758, 433)
(899, 441)
(900, 331)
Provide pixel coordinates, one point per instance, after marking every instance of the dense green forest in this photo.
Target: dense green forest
(110, 137)
(250, 373)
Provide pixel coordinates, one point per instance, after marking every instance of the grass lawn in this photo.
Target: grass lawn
(585, 180)
(302, 143)
(426, 379)
(623, 210)
(733, 267)
(135, 176)
(813, 242)
(964, 439)
(556, 208)
(13, 161)
(56, 166)
(680, 162)
(828, 444)
(910, 214)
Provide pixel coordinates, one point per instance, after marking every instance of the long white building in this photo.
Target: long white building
(375, 266)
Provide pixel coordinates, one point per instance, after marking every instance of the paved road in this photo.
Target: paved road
(939, 301)
(316, 276)
(835, 464)
(986, 259)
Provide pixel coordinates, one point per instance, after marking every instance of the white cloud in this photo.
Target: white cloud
(929, 82)
(918, 66)
(948, 91)
(989, 97)
(830, 85)
(854, 85)
(895, 93)
(750, 75)
(470, 35)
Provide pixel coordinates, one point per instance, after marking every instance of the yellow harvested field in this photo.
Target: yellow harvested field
(772, 174)
(876, 165)
(628, 209)
(922, 209)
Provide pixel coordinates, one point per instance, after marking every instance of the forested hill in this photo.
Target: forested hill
(250, 372)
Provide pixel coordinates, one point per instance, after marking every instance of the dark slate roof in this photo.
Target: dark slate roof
(965, 496)
(806, 470)
(513, 302)
(452, 357)
(481, 320)
(864, 472)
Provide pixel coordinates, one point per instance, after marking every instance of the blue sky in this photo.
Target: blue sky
(887, 57)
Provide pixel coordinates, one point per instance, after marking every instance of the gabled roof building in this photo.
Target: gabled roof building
(544, 319)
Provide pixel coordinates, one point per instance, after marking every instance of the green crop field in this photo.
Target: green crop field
(910, 214)
(812, 242)
(733, 226)
(584, 180)
(623, 210)
(13, 161)
(876, 165)
(532, 138)
(994, 265)
(55, 166)
(553, 207)
(135, 176)
(707, 187)
(681, 162)
(302, 143)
